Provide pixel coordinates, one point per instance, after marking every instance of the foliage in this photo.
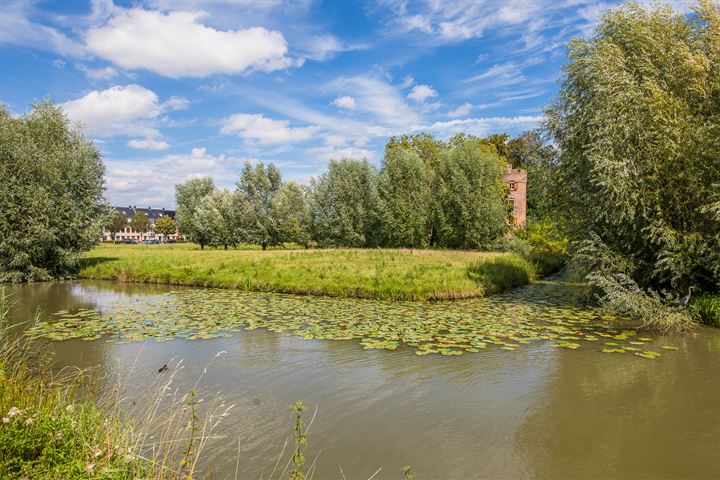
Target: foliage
(345, 205)
(140, 222)
(47, 429)
(472, 195)
(502, 274)
(187, 197)
(707, 307)
(547, 245)
(115, 222)
(622, 296)
(51, 197)
(372, 273)
(256, 190)
(291, 212)
(405, 199)
(637, 124)
(165, 225)
(300, 437)
(216, 219)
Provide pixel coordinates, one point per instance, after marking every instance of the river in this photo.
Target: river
(529, 410)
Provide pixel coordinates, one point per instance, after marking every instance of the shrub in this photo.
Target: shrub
(707, 307)
(502, 274)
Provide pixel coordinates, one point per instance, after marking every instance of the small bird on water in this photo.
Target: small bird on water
(686, 299)
(163, 369)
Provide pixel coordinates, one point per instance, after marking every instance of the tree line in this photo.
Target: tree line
(426, 193)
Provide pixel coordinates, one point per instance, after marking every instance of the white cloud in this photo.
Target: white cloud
(323, 47)
(117, 110)
(378, 98)
(461, 111)
(18, 29)
(176, 44)
(345, 102)
(128, 181)
(326, 153)
(266, 130)
(484, 125)
(148, 144)
(176, 103)
(57, 63)
(420, 93)
(98, 73)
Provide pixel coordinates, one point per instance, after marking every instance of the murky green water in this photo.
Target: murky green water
(519, 407)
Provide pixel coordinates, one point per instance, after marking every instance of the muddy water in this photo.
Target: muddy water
(534, 412)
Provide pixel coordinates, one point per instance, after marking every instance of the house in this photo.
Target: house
(516, 180)
(129, 234)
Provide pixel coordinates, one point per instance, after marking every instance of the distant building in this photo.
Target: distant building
(517, 181)
(129, 234)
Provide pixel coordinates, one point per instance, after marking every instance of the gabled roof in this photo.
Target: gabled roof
(152, 213)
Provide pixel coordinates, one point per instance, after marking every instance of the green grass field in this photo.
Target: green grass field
(361, 273)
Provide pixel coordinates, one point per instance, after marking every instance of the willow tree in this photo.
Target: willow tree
(51, 194)
(473, 207)
(345, 205)
(637, 121)
(404, 189)
(188, 196)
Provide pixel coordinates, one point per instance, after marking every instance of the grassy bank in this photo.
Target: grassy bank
(381, 274)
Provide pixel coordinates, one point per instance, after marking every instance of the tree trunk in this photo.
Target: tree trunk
(264, 246)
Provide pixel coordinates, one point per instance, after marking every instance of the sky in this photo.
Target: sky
(174, 89)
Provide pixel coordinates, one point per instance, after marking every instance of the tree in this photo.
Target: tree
(404, 189)
(637, 121)
(256, 189)
(165, 226)
(116, 222)
(187, 197)
(291, 213)
(51, 194)
(473, 205)
(140, 223)
(345, 205)
(215, 219)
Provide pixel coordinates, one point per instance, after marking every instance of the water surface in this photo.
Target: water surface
(534, 412)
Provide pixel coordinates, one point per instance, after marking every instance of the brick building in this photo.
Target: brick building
(517, 181)
(129, 234)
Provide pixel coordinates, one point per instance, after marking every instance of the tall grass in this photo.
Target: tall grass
(69, 424)
(363, 273)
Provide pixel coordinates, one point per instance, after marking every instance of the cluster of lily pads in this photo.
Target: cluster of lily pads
(539, 312)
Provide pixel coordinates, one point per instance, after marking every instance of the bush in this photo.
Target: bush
(707, 307)
(502, 274)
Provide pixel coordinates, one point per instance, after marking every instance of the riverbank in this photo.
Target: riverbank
(357, 273)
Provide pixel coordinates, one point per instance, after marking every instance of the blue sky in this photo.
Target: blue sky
(174, 89)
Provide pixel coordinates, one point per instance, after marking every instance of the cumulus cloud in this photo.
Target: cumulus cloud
(127, 180)
(176, 44)
(176, 103)
(148, 144)
(420, 93)
(118, 110)
(257, 127)
(345, 101)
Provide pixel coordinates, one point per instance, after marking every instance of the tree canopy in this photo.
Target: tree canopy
(51, 200)
(637, 122)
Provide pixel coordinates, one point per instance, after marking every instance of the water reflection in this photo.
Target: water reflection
(536, 412)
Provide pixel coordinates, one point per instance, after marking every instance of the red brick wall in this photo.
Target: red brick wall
(517, 181)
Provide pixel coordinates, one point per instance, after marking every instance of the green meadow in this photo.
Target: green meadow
(358, 273)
